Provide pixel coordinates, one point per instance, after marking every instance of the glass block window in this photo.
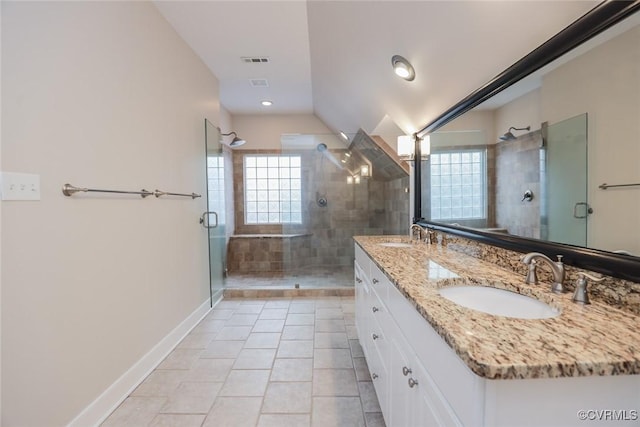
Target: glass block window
(458, 185)
(215, 186)
(272, 190)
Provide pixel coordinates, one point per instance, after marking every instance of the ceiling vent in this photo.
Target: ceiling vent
(259, 82)
(255, 59)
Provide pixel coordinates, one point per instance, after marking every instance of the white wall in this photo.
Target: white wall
(605, 83)
(263, 131)
(103, 95)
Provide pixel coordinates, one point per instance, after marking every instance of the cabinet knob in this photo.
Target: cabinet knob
(375, 309)
(374, 375)
(375, 281)
(359, 280)
(405, 371)
(374, 336)
(412, 382)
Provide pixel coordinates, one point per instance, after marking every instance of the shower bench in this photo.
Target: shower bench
(262, 253)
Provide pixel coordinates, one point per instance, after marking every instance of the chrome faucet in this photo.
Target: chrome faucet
(557, 268)
(581, 295)
(421, 230)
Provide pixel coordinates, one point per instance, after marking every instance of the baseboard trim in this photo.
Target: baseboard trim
(116, 393)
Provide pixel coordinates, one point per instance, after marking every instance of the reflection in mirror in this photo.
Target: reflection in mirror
(583, 112)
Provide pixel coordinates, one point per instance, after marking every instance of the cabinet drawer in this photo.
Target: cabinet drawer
(378, 308)
(376, 338)
(379, 282)
(362, 259)
(380, 379)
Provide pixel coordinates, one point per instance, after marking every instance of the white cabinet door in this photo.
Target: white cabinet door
(402, 397)
(431, 408)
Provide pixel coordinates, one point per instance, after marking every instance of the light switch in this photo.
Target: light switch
(20, 186)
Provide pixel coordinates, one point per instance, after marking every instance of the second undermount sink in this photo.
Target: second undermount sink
(499, 302)
(395, 245)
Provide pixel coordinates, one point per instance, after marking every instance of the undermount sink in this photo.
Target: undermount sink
(499, 302)
(395, 245)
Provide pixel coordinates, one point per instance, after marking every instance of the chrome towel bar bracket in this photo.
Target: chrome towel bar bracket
(605, 185)
(69, 190)
(159, 193)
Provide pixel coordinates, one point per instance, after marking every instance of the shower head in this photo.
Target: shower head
(509, 136)
(322, 148)
(235, 142)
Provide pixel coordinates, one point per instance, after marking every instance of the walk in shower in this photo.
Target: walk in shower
(297, 209)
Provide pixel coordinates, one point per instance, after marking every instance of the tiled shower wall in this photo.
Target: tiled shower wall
(518, 170)
(369, 208)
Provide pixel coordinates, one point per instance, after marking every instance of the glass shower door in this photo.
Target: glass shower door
(214, 219)
(567, 207)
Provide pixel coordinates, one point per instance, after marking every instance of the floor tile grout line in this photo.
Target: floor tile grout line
(330, 304)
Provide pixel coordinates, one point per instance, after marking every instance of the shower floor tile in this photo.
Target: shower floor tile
(314, 278)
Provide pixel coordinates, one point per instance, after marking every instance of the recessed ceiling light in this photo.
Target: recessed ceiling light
(403, 68)
(344, 136)
(266, 103)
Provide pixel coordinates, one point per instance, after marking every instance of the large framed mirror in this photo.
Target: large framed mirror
(546, 156)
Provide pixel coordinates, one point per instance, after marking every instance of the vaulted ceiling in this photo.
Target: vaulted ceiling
(333, 58)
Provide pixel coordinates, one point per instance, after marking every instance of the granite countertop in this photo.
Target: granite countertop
(595, 339)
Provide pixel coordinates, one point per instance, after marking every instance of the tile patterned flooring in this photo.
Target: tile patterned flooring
(259, 363)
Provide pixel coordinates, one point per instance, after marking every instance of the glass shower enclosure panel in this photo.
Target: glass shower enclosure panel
(324, 204)
(565, 209)
(214, 219)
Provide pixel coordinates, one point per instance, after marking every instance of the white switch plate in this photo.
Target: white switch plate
(20, 186)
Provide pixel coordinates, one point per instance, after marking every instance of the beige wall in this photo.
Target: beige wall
(474, 120)
(521, 112)
(263, 131)
(102, 95)
(605, 83)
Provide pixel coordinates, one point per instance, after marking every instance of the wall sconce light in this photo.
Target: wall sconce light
(406, 147)
(365, 171)
(235, 142)
(355, 179)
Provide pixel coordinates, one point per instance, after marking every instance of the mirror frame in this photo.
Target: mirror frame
(597, 20)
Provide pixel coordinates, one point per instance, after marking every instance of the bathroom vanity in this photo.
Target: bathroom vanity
(435, 362)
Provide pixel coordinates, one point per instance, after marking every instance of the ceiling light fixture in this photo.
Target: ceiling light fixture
(403, 68)
(266, 103)
(344, 136)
